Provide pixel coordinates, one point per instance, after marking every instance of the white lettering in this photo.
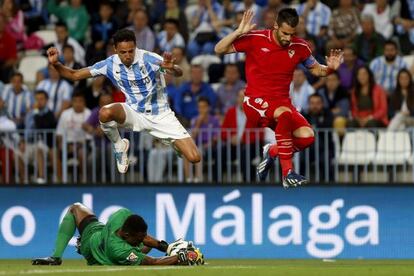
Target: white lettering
(28, 228)
(295, 224)
(195, 208)
(371, 223)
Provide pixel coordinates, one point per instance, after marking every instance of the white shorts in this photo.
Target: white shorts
(164, 126)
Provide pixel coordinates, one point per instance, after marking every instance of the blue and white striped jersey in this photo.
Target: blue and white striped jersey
(58, 92)
(17, 105)
(167, 45)
(318, 17)
(386, 73)
(142, 83)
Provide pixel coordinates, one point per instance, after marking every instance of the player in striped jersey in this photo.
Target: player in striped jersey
(271, 58)
(139, 75)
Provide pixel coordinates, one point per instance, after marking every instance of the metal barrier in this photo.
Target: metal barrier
(373, 155)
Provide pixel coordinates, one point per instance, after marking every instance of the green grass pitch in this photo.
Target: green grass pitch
(223, 267)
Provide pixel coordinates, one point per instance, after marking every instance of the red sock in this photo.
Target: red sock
(284, 141)
(300, 144)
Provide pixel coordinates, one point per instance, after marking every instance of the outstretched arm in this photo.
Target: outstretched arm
(168, 260)
(333, 62)
(64, 71)
(154, 243)
(224, 46)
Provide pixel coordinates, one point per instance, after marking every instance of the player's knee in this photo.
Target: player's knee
(105, 115)
(194, 156)
(75, 206)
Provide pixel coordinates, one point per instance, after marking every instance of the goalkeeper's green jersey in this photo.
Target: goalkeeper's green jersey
(110, 249)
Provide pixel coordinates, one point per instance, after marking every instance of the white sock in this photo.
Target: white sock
(111, 131)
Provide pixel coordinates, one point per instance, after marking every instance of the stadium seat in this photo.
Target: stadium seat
(358, 148)
(205, 61)
(29, 66)
(48, 36)
(393, 148)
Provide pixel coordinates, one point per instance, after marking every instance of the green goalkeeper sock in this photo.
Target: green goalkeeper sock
(66, 231)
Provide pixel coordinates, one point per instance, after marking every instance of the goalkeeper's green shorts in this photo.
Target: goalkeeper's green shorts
(88, 227)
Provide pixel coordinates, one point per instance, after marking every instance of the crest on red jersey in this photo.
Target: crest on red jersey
(291, 52)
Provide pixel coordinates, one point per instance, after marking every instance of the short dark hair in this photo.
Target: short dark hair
(316, 95)
(134, 224)
(124, 35)
(203, 99)
(42, 92)
(106, 3)
(68, 46)
(78, 94)
(289, 16)
(61, 24)
(172, 21)
(391, 42)
(16, 74)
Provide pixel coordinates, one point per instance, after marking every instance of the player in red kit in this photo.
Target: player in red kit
(271, 58)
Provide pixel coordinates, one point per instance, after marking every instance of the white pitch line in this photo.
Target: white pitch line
(114, 269)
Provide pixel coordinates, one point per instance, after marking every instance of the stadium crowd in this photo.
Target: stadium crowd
(372, 88)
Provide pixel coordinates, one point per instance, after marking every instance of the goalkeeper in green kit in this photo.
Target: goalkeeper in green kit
(123, 240)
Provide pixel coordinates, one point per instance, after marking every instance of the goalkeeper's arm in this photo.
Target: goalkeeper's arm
(151, 242)
(183, 257)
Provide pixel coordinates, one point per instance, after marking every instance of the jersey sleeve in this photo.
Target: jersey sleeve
(154, 60)
(243, 43)
(99, 68)
(308, 60)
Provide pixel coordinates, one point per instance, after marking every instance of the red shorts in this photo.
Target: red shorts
(259, 113)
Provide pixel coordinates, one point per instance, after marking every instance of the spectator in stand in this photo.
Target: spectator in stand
(188, 93)
(103, 26)
(181, 60)
(34, 14)
(204, 130)
(69, 61)
(173, 11)
(403, 17)
(368, 44)
(237, 136)
(59, 92)
(245, 5)
(300, 90)
(63, 39)
(133, 7)
(344, 24)
(381, 13)
(317, 16)
(17, 99)
(348, 68)
(169, 37)
(336, 100)
(402, 102)
(269, 18)
(228, 91)
(70, 126)
(368, 101)
(6, 152)
(94, 91)
(204, 21)
(320, 118)
(40, 143)
(144, 35)
(273, 6)
(15, 22)
(92, 126)
(8, 51)
(386, 67)
(74, 15)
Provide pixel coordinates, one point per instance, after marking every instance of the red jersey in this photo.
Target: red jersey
(8, 49)
(269, 67)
